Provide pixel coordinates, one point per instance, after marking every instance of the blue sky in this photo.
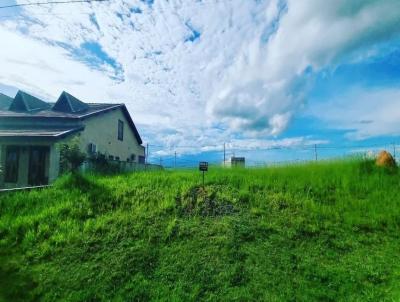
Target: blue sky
(270, 78)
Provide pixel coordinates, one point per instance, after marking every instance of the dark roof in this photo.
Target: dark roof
(67, 109)
(69, 103)
(27, 103)
(5, 101)
(93, 109)
(28, 133)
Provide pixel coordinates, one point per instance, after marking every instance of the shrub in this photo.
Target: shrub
(71, 157)
(100, 164)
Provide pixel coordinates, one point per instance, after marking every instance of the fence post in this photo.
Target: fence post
(315, 151)
(394, 151)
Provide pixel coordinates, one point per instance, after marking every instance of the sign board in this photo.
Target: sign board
(203, 166)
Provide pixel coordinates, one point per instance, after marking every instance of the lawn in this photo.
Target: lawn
(327, 231)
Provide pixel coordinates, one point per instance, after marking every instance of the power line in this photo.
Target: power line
(51, 2)
(271, 148)
(21, 16)
(201, 4)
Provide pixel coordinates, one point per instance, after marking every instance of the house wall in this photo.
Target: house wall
(102, 130)
(52, 163)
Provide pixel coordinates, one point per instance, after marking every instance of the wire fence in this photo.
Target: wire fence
(259, 157)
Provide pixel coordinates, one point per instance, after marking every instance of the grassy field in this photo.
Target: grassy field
(317, 232)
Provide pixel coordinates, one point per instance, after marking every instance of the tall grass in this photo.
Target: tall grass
(317, 232)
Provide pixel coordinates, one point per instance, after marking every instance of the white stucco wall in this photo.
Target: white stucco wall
(102, 130)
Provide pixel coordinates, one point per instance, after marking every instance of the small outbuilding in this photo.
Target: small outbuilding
(238, 162)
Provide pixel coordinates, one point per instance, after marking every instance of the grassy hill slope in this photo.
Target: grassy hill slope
(316, 232)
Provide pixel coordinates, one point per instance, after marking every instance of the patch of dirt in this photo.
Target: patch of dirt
(198, 201)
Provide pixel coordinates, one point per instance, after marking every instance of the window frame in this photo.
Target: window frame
(120, 135)
(12, 177)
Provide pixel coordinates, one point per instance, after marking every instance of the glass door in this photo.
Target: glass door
(37, 173)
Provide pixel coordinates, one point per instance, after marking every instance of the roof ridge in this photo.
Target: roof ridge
(68, 100)
(22, 94)
(24, 101)
(116, 104)
(69, 104)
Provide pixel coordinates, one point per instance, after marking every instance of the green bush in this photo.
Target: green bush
(71, 157)
(100, 164)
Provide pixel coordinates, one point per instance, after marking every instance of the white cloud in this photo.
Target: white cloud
(244, 74)
(46, 70)
(362, 113)
(268, 81)
(165, 81)
(205, 144)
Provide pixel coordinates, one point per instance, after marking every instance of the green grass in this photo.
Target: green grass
(317, 232)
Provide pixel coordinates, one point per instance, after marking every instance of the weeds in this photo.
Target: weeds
(317, 232)
(199, 201)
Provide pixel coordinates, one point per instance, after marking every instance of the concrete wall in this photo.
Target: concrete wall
(54, 163)
(102, 130)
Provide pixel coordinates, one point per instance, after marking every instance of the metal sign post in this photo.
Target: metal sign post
(203, 167)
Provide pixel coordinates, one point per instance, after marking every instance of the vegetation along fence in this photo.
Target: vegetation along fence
(116, 166)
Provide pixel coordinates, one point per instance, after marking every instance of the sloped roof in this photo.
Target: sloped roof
(69, 103)
(93, 109)
(5, 101)
(26, 102)
(37, 133)
(29, 110)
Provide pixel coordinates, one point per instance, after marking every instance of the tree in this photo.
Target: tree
(71, 157)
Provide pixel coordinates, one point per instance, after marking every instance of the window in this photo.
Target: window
(133, 157)
(117, 158)
(11, 167)
(110, 157)
(141, 159)
(120, 130)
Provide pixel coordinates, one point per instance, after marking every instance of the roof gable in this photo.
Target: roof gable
(69, 103)
(131, 123)
(5, 101)
(27, 102)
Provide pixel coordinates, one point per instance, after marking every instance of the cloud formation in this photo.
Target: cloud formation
(197, 72)
(269, 79)
(362, 113)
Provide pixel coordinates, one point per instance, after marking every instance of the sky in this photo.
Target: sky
(269, 78)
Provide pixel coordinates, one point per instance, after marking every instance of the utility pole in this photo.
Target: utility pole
(315, 151)
(175, 160)
(147, 154)
(394, 151)
(224, 155)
